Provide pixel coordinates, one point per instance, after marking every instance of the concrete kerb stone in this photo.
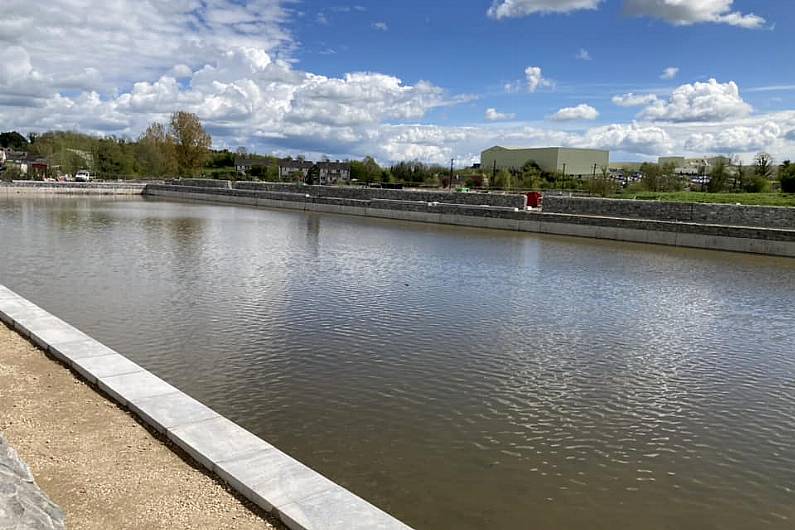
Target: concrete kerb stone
(127, 387)
(168, 411)
(97, 368)
(272, 478)
(336, 508)
(79, 349)
(256, 469)
(215, 440)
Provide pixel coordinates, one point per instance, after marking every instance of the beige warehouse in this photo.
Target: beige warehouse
(571, 161)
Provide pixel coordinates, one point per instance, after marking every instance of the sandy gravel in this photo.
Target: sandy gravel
(102, 467)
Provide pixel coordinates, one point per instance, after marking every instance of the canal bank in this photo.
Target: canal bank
(734, 228)
(88, 454)
(95, 461)
(747, 239)
(36, 188)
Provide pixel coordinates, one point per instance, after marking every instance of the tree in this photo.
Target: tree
(155, 152)
(763, 165)
(786, 174)
(13, 140)
(602, 184)
(191, 142)
(504, 180)
(718, 177)
(367, 170)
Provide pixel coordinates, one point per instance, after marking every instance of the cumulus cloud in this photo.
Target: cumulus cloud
(493, 115)
(380, 26)
(580, 112)
(710, 101)
(634, 100)
(238, 75)
(688, 12)
(535, 79)
(735, 139)
(521, 8)
(669, 73)
(583, 55)
(633, 137)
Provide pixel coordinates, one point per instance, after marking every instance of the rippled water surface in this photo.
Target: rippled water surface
(459, 378)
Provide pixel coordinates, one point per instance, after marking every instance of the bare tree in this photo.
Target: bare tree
(764, 165)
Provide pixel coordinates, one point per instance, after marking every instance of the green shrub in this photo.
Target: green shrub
(787, 177)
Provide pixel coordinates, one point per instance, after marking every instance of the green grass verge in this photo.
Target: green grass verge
(756, 199)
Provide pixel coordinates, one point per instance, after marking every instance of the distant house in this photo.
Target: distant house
(333, 172)
(296, 170)
(21, 160)
(243, 164)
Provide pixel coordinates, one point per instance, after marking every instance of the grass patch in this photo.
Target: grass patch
(753, 199)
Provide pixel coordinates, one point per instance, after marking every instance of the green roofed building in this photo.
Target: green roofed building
(566, 160)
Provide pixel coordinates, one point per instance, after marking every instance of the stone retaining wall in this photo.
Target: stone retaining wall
(776, 242)
(340, 192)
(19, 187)
(717, 214)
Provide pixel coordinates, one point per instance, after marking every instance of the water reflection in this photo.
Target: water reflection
(460, 378)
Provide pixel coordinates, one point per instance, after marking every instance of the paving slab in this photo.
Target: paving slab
(272, 478)
(171, 410)
(23, 314)
(216, 440)
(46, 332)
(80, 349)
(335, 509)
(104, 366)
(126, 389)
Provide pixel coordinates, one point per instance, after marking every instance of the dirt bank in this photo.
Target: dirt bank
(96, 461)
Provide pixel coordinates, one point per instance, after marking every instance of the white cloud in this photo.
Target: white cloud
(669, 73)
(580, 112)
(710, 101)
(583, 55)
(536, 79)
(634, 100)
(688, 12)
(522, 8)
(236, 73)
(735, 139)
(381, 26)
(493, 115)
(633, 138)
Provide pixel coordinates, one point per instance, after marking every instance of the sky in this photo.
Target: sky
(427, 80)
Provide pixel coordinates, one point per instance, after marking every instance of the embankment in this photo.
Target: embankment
(752, 239)
(28, 187)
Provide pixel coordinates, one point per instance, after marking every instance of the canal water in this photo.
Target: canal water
(458, 378)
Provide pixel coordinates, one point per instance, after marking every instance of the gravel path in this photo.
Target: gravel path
(93, 459)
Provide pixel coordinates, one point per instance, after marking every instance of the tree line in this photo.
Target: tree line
(180, 147)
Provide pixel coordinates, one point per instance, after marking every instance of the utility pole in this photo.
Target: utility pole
(493, 182)
(450, 186)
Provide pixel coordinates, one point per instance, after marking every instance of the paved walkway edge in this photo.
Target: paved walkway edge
(302, 498)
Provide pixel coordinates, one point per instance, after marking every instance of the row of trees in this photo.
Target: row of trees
(179, 148)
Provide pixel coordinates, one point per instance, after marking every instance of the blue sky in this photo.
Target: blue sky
(412, 79)
(456, 46)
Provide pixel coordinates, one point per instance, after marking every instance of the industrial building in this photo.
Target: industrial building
(695, 166)
(565, 160)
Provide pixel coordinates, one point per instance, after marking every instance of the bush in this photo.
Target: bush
(787, 177)
(756, 184)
